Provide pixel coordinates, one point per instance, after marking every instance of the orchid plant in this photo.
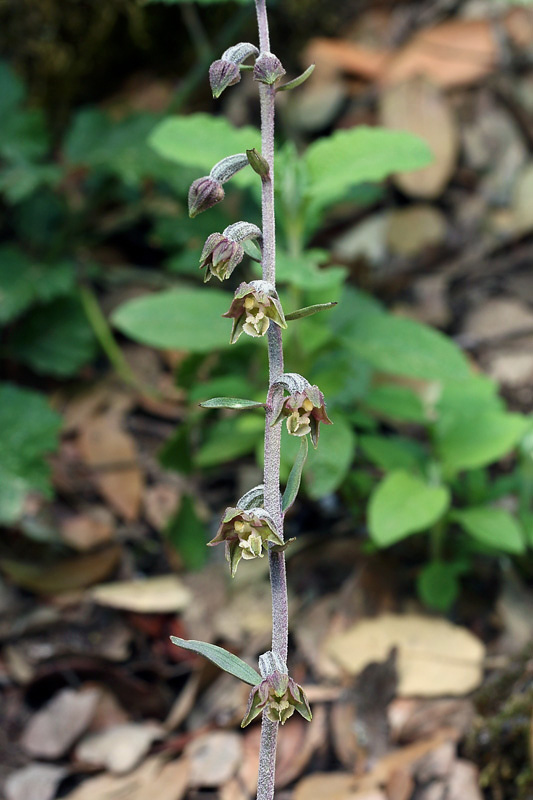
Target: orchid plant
(255, 525)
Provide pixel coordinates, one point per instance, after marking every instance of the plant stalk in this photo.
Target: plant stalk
(278, 578)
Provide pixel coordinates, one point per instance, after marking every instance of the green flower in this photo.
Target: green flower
(255, 305)
(278, 695)
(245, 534)
(304, 410)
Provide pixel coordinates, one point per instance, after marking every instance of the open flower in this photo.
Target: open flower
(280, 696)
(245, 534)
(254, 306)
(304, 410)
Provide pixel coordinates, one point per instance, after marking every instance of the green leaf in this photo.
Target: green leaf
(478, 439)
(222, 658)
(29, 430)
(394, 402)
(328, 465)
(12, 92)
(231, 402)
(360, 154)
(404, 347)
(202, 140)
(177, 319)
(309, 311)
(228, 439)
(24, 281)
(202, 2)
(293, 482)
(493, 527)
(394, 452)
(305, 273)
(438, 585)
(403, 504)
(188, 535)
(55, 339)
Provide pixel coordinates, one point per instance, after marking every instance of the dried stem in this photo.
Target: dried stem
(278, 579)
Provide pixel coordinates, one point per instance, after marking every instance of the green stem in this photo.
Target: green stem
(105, 337)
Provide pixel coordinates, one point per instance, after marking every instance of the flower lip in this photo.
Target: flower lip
(304, 409)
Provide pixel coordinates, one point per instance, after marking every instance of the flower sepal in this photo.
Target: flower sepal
(246, 534)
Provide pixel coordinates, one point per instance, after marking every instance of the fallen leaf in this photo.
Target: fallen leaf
(434, 656)
(213, 758)
(155, 779)
(161, 503)
(522, 201)
(163, 594)
(53, 730)
(411, 719)
(34, 782)
(413, 229)
(119, 749)
(114, 460)
(455, 53)
(67, 575)
(86, 531)
(400, 785)
(420, 107)
(333, 786)
(349, 57)
(497, 318)
(464, 782)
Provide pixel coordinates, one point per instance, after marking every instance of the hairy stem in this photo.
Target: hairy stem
(278, 579)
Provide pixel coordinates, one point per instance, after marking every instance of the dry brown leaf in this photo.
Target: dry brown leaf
(413, 229)
(333, 786)
(411, 719)
(85, 531)
(155, 779)
(53, 730)
(420, 107)
(464, 782)
(67, 575)
(163, 594)
(456, 53)
(81, 408)
(121, 748)
(34, 782)
(337, 54)
(497, 318)
(213, 758)
(161, 502)
(434, 656)
(400, 785)
(114, 460)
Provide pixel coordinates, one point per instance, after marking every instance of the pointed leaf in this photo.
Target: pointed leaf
(295, 476)
(222, 658)
(493, 527)
(297, 81)
(308, 311)
(231, 402)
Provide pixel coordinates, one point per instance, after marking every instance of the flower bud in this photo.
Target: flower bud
(258, 163)
(245, 534)
(203, 194)
(223, 251)
(255, 305)
(223, 74)
(268, 69)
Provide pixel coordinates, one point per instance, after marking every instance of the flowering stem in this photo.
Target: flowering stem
(278, 579)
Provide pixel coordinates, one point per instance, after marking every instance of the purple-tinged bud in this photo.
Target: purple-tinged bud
(222, 74)
(258, 163)
(204, 193)
(223, 251)
(268, 69)
(245, 534)
(255, 305)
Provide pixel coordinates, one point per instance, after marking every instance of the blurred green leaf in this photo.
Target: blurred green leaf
(222, 658)
(12, 92)
(477, 439)
(29, 430)
(55, 339)
(360, 154)
(177, 319)
(305, 273)
(202, 2)
(393, 452)
(228, 439)
(23, 281)
(493, 527)
(328, 465)
(188, 535)
(391, 401)
(403, 504)
(438, 585)
(402, 346)
(202, 140)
